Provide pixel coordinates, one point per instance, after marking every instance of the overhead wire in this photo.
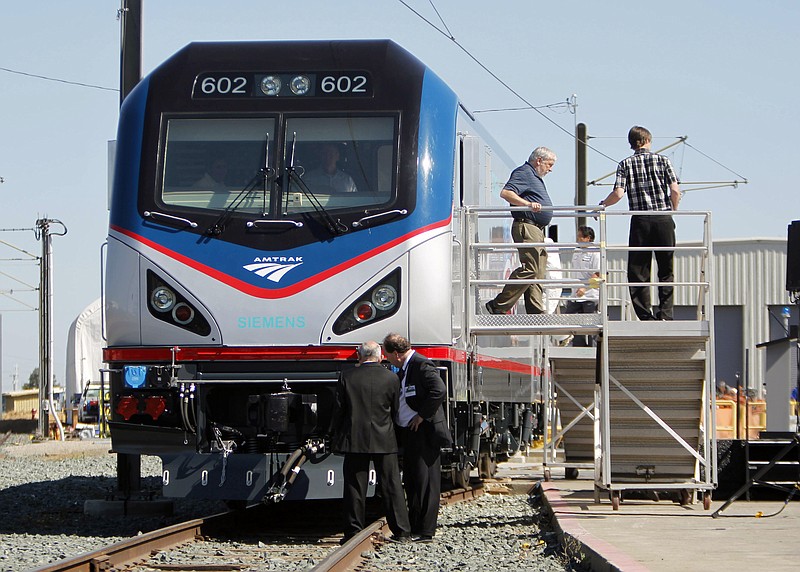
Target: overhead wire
(449, 35)
(717, 162)
(550, 106)
(440, 18)
(47, 78)
(519, 96)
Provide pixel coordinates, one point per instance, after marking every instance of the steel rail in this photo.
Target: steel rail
(138, 549)
(132, 550)
(349, 555)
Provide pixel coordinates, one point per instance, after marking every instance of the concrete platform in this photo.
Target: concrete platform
(664, 536)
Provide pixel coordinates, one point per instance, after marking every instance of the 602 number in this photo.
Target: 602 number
(224, 85)
(344, 84)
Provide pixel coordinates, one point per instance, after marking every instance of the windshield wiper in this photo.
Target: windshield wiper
(366, 219)
(264, 175)
(335, 227)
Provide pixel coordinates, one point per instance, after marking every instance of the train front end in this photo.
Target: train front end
(274, 205)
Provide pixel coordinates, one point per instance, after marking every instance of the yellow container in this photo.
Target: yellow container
(726, 419)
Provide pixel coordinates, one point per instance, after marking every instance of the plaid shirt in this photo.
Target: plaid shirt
(646, 178)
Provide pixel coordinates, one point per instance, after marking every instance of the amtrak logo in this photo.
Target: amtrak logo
(273, 267)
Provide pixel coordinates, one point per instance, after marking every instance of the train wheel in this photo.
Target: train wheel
(571, 473)
(461, 477)
(615, 500)
(487, 467)
(706, 500)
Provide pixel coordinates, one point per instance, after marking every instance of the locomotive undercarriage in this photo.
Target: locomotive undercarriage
(252, 436)
(486, 434)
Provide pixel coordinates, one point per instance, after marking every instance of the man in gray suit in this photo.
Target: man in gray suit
(367, 401)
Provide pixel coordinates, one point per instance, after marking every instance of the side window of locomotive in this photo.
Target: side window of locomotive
(342, 162)
(211, 164)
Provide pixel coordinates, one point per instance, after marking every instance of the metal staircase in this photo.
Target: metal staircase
(570, 410)
(655, 408)
(639, 408)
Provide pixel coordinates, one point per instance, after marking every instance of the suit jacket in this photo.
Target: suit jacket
(367, 399)
(425, 394)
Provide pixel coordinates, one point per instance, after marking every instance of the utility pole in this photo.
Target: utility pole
(130, 61)
(1, 366)
(581, 137)
(46, 328)
(129, 467)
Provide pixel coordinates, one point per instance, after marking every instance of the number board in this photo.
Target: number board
(215, 85)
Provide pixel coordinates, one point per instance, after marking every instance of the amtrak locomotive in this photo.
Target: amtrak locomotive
(275, 204)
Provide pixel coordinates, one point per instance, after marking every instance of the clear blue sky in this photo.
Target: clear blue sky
(722, 72)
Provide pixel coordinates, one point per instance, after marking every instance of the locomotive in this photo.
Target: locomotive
(274, 204)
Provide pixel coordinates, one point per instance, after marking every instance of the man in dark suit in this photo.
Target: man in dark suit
(423, 430)
(367, 399)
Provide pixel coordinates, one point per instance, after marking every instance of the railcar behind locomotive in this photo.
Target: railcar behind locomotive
(275, 204)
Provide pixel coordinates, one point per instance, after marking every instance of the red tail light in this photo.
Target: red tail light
(127, 407)
(155, 406)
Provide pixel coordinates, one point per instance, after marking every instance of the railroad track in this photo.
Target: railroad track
(348, 557)
(242, 540)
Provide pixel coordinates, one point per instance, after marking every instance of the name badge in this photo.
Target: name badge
(411, 390)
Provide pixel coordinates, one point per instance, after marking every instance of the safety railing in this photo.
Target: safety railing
(489, 257)
(489, 260)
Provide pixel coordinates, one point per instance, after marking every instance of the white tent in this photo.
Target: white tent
(84, 349)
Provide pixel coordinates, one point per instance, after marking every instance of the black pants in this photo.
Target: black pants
(422, 479)
(651, 231)
(585, 307)
(356, 475)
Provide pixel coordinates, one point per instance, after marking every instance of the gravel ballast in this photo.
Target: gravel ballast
(43, 487)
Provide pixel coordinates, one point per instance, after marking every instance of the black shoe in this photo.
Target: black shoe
(399, 539)
(423, 538)
(492, 309)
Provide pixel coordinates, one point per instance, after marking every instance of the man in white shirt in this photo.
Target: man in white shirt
(583, 299)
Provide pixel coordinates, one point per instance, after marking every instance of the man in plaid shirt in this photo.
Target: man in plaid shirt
(651, 184)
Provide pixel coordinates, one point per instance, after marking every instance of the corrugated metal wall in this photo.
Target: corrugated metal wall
(21, 402)
(750, 273)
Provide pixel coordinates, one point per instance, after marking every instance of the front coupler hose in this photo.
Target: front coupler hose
(283, 480)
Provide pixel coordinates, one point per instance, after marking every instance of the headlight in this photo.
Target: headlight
(271, 85)
(300, 85)
(162, 299)
(384, 297)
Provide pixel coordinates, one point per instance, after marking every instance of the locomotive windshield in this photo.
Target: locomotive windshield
(213, 163)
(207, 162)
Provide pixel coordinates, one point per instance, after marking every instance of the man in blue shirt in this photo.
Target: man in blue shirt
(525, 188)
(651, 185)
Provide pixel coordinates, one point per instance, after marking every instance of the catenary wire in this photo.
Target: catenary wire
(44, 77)
(452, 38)
(498, 79)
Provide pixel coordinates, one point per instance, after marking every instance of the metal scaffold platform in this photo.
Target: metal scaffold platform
(637, 409)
